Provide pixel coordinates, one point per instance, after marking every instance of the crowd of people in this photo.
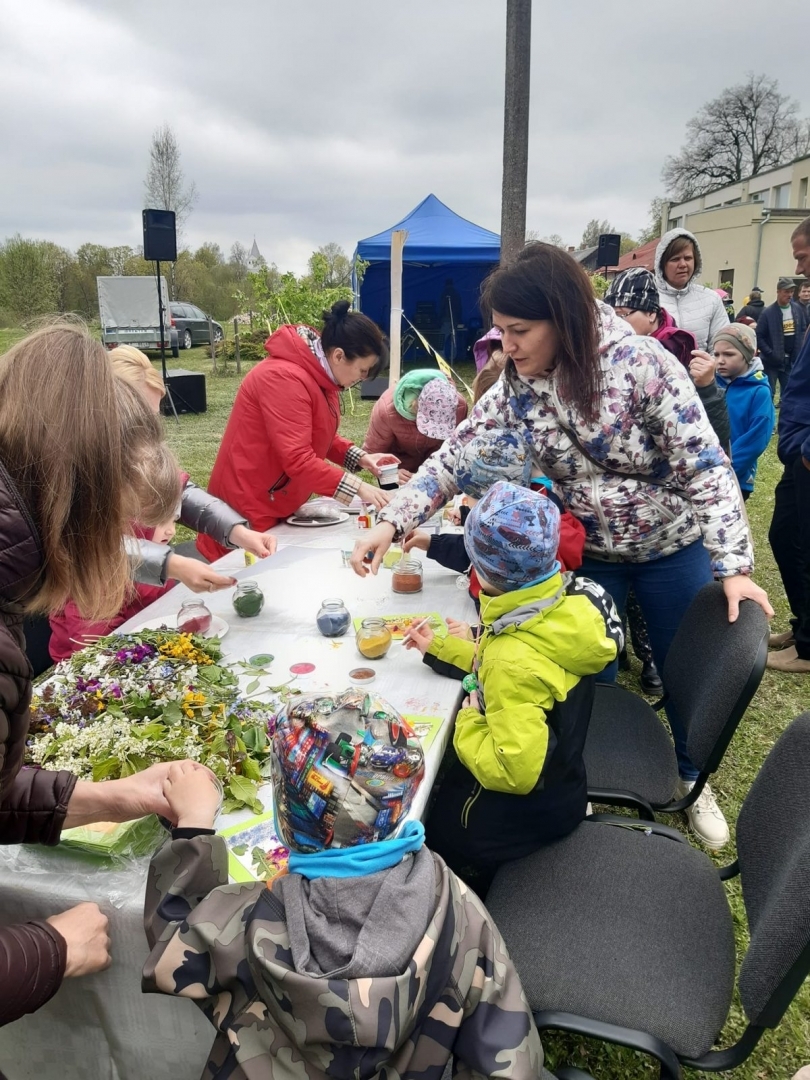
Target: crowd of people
(604, 465)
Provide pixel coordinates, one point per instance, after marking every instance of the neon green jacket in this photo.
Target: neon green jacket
(536, 645)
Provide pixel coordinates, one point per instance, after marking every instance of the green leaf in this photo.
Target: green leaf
(172, 713)
(251, 770)
(252, 686)
(239, 849)
(213, 673)
(106, 770)
(245, 792)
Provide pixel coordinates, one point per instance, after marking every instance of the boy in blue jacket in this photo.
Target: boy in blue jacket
(748, 399)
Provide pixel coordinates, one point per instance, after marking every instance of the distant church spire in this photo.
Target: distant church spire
(254, 258)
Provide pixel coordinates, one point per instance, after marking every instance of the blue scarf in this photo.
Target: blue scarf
(362, 860)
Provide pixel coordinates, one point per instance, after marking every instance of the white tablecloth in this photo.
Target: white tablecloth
(102, 1027)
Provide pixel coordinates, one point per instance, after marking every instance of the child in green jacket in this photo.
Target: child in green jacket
(519, 781)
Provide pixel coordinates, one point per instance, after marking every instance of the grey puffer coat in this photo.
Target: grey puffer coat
(695, 308)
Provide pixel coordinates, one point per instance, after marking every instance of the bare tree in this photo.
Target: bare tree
(532, 236)
(165, 184)
(338, 265)
(747, 129)
(593, 230)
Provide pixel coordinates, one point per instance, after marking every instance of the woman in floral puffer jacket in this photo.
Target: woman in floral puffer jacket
(616, 422)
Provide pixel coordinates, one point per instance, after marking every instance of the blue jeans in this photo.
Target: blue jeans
(664, 588)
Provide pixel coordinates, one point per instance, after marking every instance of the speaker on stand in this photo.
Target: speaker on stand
(608, 251)
(160, 245)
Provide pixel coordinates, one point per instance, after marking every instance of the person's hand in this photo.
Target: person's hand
(374, 495)
(371, 547)
(372, 462)
(416, 539)
(458, 629)
(84, 929)
(123, 800)
(453, 515)
(740, 587)
(192, 795)
(195, 575)
(418, 637)
(702, 367)
(260, 544)
(404, 477)
(471, 702)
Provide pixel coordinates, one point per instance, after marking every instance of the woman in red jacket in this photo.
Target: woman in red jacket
(281, 439)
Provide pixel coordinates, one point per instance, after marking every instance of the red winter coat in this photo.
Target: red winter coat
(282, 427)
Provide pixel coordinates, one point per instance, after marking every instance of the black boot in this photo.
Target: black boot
(650, 679)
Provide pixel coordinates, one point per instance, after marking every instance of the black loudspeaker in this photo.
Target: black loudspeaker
(608, 253)
(372, 389)
(188, 392)
(159, 236)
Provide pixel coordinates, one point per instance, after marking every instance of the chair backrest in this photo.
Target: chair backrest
(712, 671)
(773, 850)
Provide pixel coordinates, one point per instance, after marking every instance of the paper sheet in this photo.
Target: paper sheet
(282, 560)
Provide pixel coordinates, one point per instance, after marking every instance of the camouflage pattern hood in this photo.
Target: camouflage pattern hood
(240, 952)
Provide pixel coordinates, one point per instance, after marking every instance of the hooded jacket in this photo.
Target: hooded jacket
(752, 416)
(794, 410)
(681, 344)
(33, 802)
(282, 428)
(695, 307)
(382, 976)
(389, 432)
(752, 310)
(651, 424)
(536, 645)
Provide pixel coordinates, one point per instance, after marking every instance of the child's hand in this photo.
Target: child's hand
(416, 539)
(453, 515)
(195, 575)
(701, 368)
(192, 794)
(257, 543)
(471, 702)
(463, 630)
(419, 637)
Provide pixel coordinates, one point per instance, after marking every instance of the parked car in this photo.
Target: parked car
(192, 325)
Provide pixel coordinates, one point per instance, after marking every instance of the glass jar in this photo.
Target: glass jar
(407, 576)
(333, 618)
(248, 600)
(373, 639)
(193, 618)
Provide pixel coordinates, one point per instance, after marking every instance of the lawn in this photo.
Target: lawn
(195, 439)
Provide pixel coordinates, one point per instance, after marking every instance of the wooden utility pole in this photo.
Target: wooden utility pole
(398, 238)
(516, 127)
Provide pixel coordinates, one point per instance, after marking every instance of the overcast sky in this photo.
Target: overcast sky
(305, 121)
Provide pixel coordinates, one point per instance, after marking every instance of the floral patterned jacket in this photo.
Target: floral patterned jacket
(651, 423)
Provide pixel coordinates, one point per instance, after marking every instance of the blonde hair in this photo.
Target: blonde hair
(135, 368)
(488, 375)
(157, 488)
(70, 437)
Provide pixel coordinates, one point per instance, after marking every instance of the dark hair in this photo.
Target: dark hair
(802, 229)
(352, 332)
(675, 247)
(545, 283)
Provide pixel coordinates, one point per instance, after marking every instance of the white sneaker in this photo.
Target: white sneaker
(706, 817)
(589, 810)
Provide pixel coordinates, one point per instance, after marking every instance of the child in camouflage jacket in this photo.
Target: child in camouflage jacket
(370, 958)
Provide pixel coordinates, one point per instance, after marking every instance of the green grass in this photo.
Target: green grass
(779, 699)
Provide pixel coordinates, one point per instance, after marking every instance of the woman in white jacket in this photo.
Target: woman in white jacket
(615, 421)
(693, 306)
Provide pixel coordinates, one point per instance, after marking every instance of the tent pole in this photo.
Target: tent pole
(398, 238)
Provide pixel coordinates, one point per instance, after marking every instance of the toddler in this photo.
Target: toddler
(369, 958)
(519, 781)
(748, 399)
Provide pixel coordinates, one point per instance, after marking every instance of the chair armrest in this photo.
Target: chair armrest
(620, 797)
(731, 871)
(655, 827)
(550, 1019)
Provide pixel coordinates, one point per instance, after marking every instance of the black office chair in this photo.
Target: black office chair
(622, 931)
(712, 671)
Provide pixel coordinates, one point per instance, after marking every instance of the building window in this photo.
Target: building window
(675, 223)
(726, 279)
(732, 202)
(761, 196)
(803, 193)
(781, 197)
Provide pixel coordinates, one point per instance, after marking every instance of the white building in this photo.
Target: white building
(255, 261)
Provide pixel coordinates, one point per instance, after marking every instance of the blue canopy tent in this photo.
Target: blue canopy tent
(445, 259)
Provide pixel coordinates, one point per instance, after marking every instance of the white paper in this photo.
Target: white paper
(282, 560)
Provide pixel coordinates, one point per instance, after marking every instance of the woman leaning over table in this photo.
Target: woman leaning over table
(67, 478)
(284, 424)
(615, 421)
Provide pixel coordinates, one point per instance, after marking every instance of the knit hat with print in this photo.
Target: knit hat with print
(345, 770)
(512, 536)
(436, 409)
(490, 457)
(635, 290)
(742, 337)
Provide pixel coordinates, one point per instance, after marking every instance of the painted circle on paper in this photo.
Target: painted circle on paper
(302, 669)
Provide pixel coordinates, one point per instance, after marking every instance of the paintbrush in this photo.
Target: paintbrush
(412, 629)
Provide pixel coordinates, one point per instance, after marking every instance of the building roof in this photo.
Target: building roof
(584, 253)
(640, 256)
(436, 234)
(254, 251)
